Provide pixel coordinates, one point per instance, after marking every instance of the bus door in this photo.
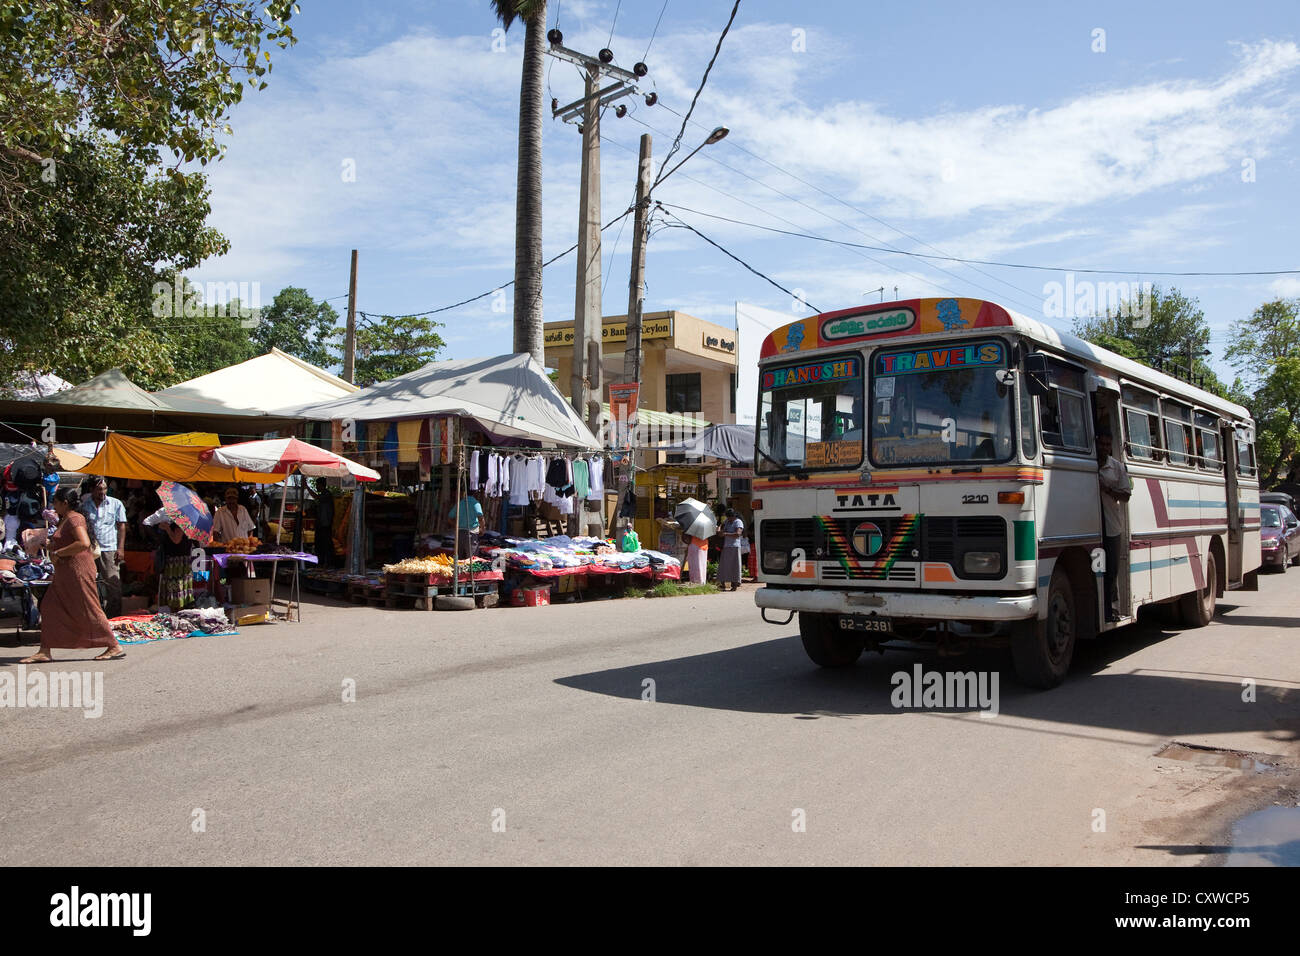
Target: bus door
(1105, 405)
(1228, 438)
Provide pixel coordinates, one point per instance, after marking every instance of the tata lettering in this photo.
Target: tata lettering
(927, 360)
(893, 321)
(811, 374)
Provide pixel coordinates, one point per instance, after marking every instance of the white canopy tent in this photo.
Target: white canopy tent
(508, 395)
(260, 385)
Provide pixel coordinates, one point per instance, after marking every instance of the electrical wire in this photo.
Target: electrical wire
(766, 278)
(654, 31)
(985, 262)
(695, 99)
(495, 289)
(617, 8)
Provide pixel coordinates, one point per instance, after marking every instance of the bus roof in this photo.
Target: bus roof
(906, 318)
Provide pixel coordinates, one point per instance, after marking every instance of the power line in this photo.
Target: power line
(841, 222)
(685, 225)
(672, 150)
(494, 289)
(654, 31)
(615, 21)
(985, 262)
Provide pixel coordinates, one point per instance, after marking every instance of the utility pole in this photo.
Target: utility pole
(636, 284)
(587, 384)
(350, 341)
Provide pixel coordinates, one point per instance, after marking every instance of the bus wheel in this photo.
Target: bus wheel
(824, 643)
(1042, 650)
(1198, 606)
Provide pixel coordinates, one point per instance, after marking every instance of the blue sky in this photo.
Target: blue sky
(984, 131)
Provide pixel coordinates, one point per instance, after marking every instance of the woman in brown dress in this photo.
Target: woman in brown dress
(70, 614)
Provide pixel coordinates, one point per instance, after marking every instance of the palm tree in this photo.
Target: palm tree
(528, 189)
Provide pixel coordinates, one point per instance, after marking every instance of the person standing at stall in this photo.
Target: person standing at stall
(106, 518)
(697, 558)
(70, 614)
(469, 522)
(324, 524)
(232, 519)
(733, 531)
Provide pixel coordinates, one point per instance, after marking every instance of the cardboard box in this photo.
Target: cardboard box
(530, 597)
(250, 590)
(253, 614)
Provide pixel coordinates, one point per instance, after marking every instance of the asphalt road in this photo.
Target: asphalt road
(514, 736)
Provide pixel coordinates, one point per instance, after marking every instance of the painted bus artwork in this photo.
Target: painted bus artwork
(928, 470)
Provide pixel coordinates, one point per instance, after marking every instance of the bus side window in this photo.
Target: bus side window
(1142, 424)
(1245, 459)
(1063, 412)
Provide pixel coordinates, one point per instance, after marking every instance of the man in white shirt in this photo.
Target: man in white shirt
(232, 520)
(1116, 489)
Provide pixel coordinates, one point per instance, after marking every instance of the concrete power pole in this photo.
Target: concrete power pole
(587, 382)
(350, 341)
(636, 283)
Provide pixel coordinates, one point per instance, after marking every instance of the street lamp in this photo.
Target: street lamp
(718, 134)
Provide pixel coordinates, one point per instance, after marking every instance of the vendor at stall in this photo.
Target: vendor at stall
(469, 522)
(232, 519)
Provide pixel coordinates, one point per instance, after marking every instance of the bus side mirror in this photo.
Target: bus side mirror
(1037, 378)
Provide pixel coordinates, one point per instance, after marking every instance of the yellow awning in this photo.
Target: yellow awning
(149, 460)
(201, 439)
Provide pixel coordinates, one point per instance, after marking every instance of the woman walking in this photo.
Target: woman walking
(733, 531)
(70, 614)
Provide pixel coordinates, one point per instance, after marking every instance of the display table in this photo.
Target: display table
(298, 558)
(29, 591)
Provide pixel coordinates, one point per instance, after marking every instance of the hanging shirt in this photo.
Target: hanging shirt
(596, 479)
(580, 482)
(519, 486)
(537, 475)
(474, 480)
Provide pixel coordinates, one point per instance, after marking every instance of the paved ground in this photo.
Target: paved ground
(535, 718)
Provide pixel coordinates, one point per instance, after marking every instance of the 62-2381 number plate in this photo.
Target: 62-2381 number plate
(874, 625)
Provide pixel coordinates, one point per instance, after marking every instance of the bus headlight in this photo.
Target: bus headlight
(776, 560)
(982, 562)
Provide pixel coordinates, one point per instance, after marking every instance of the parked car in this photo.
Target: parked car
(1279, 536)
(1278, 498)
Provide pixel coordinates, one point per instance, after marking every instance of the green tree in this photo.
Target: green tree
(101, 105)
(1156, 328)
(528, 186)
(1265, 349)
(295, 323)
(393, 346)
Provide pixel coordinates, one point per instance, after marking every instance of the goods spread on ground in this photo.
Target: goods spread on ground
(562, 552)
(436, 564)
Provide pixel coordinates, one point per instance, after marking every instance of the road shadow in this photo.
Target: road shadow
(776, 677)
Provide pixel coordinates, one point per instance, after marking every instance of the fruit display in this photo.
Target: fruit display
(434, 564)
(247, 545)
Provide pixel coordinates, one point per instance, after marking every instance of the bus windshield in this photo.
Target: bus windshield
(941, 404)
(810, 415)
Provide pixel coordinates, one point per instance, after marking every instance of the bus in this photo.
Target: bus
(926, 470)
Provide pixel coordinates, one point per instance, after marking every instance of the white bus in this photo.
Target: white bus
(950, 491)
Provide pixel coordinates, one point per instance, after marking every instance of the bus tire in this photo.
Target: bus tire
(1198, 606)
(1042, 650)
(824, 643)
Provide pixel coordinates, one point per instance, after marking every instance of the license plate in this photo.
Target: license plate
(875, 625)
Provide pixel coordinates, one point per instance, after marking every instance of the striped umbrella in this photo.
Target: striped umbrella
(187, 511)
(281, 455)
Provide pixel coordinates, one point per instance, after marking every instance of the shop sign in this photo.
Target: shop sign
(720, 344)
(561, 336)
(873, 323)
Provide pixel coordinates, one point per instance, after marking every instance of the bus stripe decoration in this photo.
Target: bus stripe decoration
(893, 478)
(906, 528)
(832, 530)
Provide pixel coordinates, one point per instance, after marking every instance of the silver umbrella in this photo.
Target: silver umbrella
(696, 518)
